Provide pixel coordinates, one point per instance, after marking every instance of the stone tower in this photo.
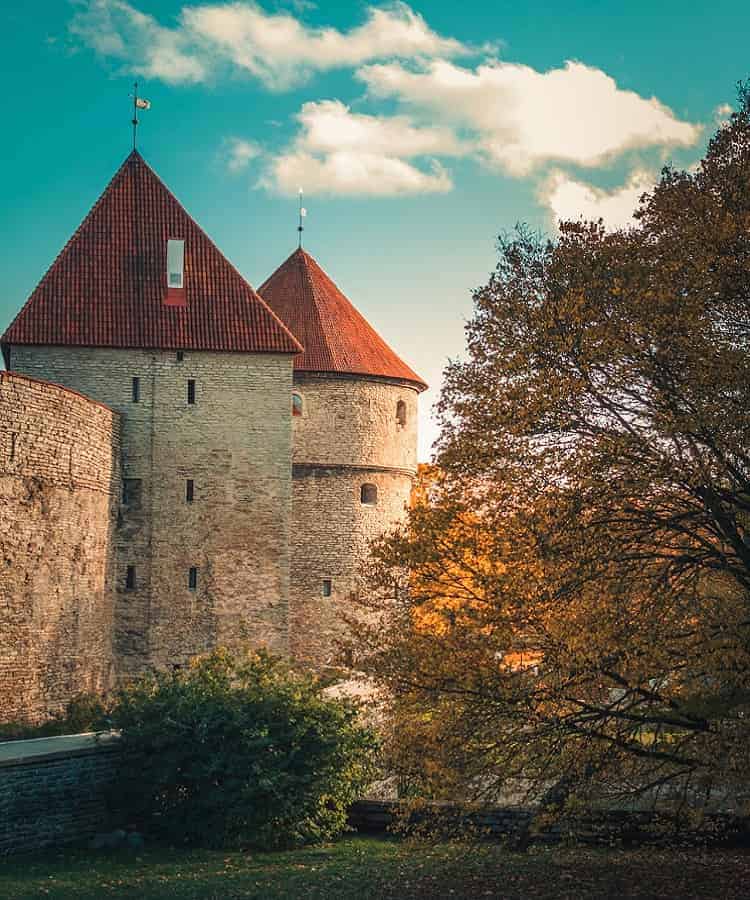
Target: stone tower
(141, 312)
(354, 448)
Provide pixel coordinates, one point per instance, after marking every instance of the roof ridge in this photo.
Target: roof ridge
(307, 274)
(55, 262)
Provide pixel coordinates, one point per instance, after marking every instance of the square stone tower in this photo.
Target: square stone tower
(142, 312)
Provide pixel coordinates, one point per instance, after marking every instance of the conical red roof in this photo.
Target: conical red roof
(108, 286)
(335, 336)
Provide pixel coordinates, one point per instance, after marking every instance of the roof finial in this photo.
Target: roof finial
(302, 214)
(138, 103)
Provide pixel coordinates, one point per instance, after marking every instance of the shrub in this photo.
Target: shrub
(84, 712)
(239, 750)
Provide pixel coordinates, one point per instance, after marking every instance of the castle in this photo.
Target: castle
(185, 462)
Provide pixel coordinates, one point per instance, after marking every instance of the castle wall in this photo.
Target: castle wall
(234, 443)
(332, 533)
(352, 420)
(347, 436)
(59, 487)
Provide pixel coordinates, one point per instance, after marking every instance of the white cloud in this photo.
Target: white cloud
(341, 152)
(277, 48)
(280, 50)
(569, 199)
(330, 125)
(522, 118)
(345, 172)
(115, 29)
(239, 153)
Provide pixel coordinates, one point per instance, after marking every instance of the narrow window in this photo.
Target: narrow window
(180, 355)
(13, 439)
(130, 578)
(131, 492)
(175, 264)
(401, 413)
(189, 490)
(297, 404)
(193, 578)
(326, 587)
(191, 390)
(136, 389)
(368, 494)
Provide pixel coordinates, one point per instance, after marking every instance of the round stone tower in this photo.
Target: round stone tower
(354, 414)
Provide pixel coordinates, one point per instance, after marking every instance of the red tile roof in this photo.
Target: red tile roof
(335, 336)
(108, 286)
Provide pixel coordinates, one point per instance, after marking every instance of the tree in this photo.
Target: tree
(568, 606)
(238, 750)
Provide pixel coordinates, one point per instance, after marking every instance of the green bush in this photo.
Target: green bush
(84, 712)
(239, 750)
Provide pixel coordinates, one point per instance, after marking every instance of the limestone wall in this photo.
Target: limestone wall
(332, 533)
(352, 420)
(234, 443)
(59, 488)
(348, 436)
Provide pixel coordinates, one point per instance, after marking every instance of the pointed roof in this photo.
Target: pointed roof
(336, 337)
(108, 286)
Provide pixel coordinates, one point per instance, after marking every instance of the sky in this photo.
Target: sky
(418, 131)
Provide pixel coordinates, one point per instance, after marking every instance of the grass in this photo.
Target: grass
(374, 869)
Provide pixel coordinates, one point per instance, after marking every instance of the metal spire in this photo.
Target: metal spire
(302, 214)
(135, 111)
(138, 103)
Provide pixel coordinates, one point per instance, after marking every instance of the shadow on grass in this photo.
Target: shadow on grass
(361, 868)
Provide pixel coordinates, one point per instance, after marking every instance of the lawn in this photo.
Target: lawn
(369, 868)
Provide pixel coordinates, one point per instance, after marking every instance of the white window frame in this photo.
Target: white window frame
(175, 262)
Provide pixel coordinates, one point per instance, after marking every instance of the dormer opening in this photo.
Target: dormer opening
(175, 263)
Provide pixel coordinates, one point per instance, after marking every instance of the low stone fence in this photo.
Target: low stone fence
(607, 827)
(52, 790)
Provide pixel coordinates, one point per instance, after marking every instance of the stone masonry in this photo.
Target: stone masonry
(59, 490)
(53, 791)
(214, 473)
(234, 444)
(347, 436)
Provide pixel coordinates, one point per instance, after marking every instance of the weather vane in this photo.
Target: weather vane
(302, 214)
(138, 103)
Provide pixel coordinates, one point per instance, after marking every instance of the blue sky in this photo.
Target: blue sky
(419, 131)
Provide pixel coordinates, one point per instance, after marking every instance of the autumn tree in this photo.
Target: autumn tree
(568, 606)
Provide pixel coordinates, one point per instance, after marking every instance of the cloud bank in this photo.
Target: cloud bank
(508, 117)
(277, 48)
(521, 118)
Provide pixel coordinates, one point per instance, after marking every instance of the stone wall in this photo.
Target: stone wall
(53, 790)
(349, 419)
(234, 444)
(607, 827)
(347, 436)
(59, 488)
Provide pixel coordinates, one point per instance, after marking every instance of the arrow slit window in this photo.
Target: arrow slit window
(175, 264)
